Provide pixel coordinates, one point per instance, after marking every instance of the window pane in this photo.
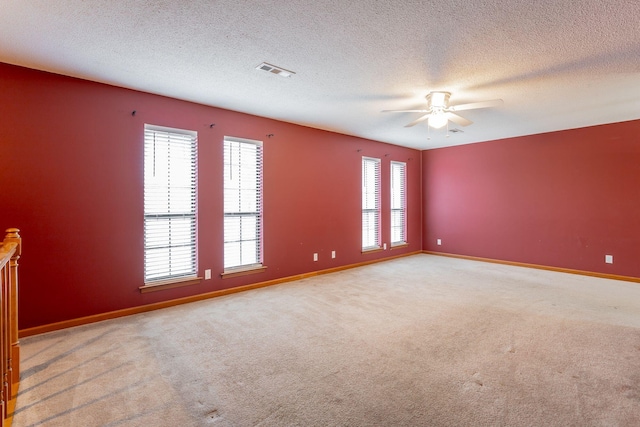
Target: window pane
(169, 247)
(249, 252)
(232, 229)
(249, 227)
(369, 229)
(397, 226)
(232, 254)
(248, 200)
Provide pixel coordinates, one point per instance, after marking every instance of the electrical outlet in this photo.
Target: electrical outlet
(439, 242)
(207, 274)
(315, 257)
(384, 246)
(608, 259)
(333, 254)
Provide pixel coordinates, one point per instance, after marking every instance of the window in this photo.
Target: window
(242, 203)
(398, 204)
(169, 203)
(370, 203)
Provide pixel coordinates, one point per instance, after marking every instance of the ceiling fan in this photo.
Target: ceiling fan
(439, 112)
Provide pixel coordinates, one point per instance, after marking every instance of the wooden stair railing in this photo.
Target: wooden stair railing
(10, 251)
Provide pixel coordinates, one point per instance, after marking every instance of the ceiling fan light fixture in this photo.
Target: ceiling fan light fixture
(438, 112)
(438, 120)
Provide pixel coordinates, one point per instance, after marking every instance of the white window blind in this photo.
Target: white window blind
(169, 203)
(370, 203)
(398, 203)
(242, 203)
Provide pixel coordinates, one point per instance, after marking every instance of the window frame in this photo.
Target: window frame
(402, 188)
(248, 267)
(174, 138)
(371, 233)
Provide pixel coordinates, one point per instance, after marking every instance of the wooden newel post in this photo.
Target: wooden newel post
(13, 236)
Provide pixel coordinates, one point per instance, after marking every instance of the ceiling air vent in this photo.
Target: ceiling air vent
(456, 131)
(275, 70)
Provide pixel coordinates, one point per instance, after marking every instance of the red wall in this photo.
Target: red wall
(71, 179)
(562, 199)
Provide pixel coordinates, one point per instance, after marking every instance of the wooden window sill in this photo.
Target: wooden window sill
(242, 271)
(399, 245)
(169, 284)
(368, 251)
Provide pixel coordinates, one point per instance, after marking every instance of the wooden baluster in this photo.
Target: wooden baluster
(13, 236)
(6, 336)
(4, 278)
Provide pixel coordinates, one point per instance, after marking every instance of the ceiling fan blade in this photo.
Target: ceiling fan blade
(405, 111)
(420, 119)
(474, 105)
(459, 120)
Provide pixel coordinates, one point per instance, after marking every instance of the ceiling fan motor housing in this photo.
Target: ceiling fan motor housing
(438, 100)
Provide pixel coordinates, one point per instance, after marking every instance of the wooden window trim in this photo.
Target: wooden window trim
(237, 272)
(372, 250)
(169, 284)
(399, 245)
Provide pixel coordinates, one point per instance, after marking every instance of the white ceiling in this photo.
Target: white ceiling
(557, 64)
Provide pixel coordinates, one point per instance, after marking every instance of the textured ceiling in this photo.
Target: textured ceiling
(556, 64)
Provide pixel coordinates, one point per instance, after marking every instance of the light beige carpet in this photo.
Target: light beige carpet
(417, 341)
